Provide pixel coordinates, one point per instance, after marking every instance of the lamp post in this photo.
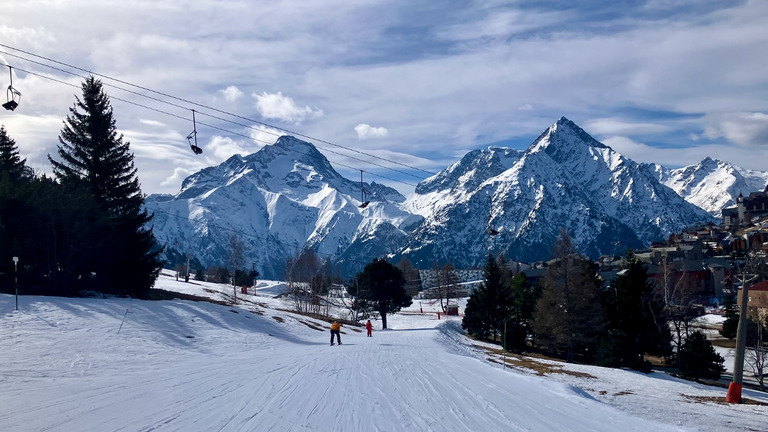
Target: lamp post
(16, 279)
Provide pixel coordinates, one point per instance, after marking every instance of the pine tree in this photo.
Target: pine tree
(731, 322)
(568, 314)
(382, 286)
(490, 305)
(698, 359)
(635, 317)
(93, 153)
(11, 164)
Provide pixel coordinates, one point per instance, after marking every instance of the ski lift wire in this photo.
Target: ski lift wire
(226, 120)
(215, 127)
(216, 109)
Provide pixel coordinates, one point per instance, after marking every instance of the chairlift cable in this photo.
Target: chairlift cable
(223, 129)
(225, 120)
(214, 109)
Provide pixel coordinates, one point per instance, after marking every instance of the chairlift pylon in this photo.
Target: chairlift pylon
(13, 95)
(195, 149)
(364, 203)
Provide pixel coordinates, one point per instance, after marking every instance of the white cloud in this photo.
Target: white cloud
(151, 122)
(460, 79)
(616, 126)
(232, 93)
(741, 128)
(277, 106)
(365, 131)
(223, 148)
(179, 174)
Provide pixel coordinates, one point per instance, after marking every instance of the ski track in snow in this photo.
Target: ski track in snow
(195, 366)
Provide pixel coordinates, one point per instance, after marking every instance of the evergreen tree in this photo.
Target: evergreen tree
(635, 319)
(11, 164)
(731, 322)
(382, 286)
(568, 315)
(698, 359)
(490, 305)
(525, 295)
(92, 152)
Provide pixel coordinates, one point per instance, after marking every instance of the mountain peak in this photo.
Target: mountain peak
(564, 137)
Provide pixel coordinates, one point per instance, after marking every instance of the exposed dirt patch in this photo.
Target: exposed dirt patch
(525, 362)
(158, 294)
(723, 342)
(278, 319)
(721, 400)
(311, 325)
(623, 393)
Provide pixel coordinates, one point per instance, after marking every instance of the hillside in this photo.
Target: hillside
(177, 365)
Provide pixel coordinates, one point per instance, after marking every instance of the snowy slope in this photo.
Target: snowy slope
(196, 366)
(712, 184)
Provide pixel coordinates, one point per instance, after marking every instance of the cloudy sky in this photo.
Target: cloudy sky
(395, 88)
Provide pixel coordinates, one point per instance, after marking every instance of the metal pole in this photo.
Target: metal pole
(16, 279)
(734, 389)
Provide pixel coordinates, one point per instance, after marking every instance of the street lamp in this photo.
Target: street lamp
(16, 279)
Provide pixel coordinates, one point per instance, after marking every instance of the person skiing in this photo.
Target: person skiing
(369, 327)
(336, 330)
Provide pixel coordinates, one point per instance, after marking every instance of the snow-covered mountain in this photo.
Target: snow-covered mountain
(566, 179)
(711, 184)
(287, 198)
(278, 201)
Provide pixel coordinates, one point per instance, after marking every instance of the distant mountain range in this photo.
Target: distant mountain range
(287, 198)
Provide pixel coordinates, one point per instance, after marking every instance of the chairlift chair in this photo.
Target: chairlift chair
(195, 149)
(13, 95)
(362, 191)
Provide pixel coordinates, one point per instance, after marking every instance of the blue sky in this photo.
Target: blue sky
(416, 82)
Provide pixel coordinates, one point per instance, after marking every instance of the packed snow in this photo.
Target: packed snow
(117, 364)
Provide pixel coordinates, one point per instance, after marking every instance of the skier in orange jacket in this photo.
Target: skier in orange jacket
(369, 327)
(336, 330)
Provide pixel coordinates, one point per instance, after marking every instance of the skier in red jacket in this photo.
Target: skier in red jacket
(369, 327)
